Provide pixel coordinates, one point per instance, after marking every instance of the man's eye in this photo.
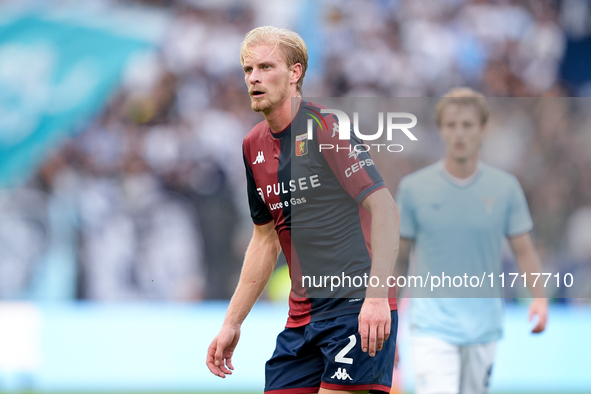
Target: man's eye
(266, 67)
(247, 70)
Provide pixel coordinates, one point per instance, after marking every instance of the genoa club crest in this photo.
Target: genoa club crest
(301, 144)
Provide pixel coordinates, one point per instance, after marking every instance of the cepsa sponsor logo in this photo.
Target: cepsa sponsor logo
(357, 166)
(343, 128)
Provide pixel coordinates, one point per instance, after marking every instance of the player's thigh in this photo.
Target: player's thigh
(437, 365)
(328, 391)
(347, 367)
(477, 364)
(296, 364)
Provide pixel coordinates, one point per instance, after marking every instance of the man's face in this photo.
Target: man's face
(462, 131)
(267, 77)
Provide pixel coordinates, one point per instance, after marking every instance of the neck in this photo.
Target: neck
(281, 116)
(461, 168)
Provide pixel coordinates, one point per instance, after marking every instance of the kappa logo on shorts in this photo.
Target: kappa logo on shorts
(341, 374)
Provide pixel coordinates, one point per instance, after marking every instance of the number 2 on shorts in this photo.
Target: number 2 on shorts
(340, 357)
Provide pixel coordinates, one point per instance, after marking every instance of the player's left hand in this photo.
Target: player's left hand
(539, 307)
(374, 324)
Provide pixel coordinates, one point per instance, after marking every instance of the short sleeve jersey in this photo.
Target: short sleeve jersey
(459, 229)
(313, 193)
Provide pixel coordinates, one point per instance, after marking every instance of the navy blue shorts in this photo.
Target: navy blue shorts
(328, 354)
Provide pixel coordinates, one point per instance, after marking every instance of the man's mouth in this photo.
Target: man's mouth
(257, 93)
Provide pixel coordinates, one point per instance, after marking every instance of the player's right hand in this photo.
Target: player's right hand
(374, 324)
(219, 353)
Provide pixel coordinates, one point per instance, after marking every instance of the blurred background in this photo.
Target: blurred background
(123, 212)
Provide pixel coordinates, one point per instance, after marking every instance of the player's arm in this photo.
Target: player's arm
(374, 318)
(528, 263)
(260, 259)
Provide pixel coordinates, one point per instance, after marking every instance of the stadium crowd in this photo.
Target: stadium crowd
(147, 201)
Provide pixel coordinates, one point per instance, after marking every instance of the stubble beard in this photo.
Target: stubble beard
(268, 105)
(262, 105)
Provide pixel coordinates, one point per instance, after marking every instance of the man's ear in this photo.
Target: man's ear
(296, 72)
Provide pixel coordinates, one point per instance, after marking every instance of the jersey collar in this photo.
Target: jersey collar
(461, 182)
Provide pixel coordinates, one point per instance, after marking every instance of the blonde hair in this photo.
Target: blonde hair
(463, 96)
(290, 43)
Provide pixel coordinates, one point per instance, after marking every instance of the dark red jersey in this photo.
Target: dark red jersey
(313, 193)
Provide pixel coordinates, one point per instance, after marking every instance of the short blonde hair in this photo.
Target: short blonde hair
(289, 42)
(463, 96)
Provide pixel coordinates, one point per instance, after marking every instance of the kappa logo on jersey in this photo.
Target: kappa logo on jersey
(301, 143)
(354, 154)
(335, 129)
(341, 374)
(260, 158)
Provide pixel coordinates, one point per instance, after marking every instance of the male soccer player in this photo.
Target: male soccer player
(457, 212)
(323, 215)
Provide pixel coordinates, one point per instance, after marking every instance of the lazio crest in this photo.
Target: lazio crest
(301, 144)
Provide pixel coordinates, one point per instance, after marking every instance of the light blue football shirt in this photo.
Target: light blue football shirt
(459, 228)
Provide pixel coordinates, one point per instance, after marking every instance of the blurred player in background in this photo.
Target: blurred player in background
(336, 345)
(457, 212)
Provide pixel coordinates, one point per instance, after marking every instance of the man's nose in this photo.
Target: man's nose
(254, 77)
(459, 130)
